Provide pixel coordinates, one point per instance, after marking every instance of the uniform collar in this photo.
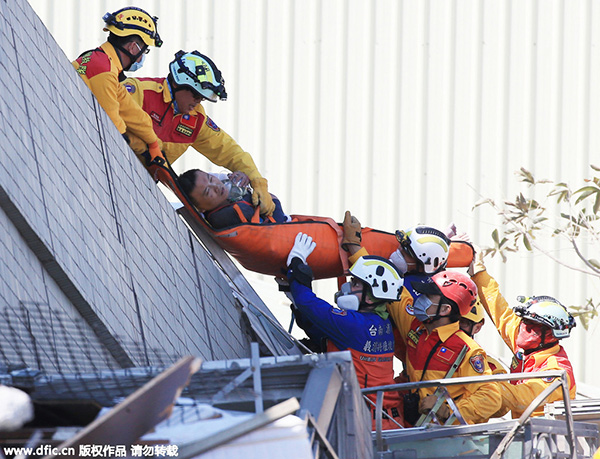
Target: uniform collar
(446, 331)
(166, 92)
(111, 52)
(543, 354)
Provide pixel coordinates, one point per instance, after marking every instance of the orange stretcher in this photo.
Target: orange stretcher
(264, 248)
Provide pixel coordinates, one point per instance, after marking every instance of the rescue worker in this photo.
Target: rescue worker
(359, 324)
(471, 323)
(431, 334)
(174, 105)
(432, 322)
(131, 33)
(532, 330)
(422, 251)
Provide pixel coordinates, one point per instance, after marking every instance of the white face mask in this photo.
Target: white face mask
(399, 262)
(345, 299)
(137, 65)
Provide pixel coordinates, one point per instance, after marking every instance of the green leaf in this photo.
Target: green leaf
(495, 237)
(526, 176)
(526, 242)
(596, 168)
(596, 204)
(585, 192)
(482, 202)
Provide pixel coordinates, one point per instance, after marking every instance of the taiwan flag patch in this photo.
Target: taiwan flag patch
(189, 121)
(445, 354)
(211, 124)
(477, 363)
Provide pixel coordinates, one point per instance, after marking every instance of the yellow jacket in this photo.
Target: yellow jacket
(177, 132)
(476, 402)
(518, 395)
(100, 69)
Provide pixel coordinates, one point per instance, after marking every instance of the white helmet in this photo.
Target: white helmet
(429, 246)
(548, 311)
(381, 275)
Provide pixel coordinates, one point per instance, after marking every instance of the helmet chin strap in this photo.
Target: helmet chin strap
(543, 344)
(132, 57)
(377, 306)
(436, 316)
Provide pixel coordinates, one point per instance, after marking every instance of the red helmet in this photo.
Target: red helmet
(455, 286)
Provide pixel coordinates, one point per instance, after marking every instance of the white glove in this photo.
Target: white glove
(303, 247)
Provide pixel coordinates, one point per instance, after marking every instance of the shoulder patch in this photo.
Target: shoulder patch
(130, 88)
(211, 124)
(93, 63)
(410, 309)
(339, 312)
(548, 380)
(477, 363)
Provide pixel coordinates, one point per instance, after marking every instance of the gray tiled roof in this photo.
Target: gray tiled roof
(96, 269)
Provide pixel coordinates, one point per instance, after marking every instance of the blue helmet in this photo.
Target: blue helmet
(198, 73)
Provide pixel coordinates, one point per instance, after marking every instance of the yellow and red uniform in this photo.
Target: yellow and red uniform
(100, 69)
(476, 402)
(517, 395)
(177, 132)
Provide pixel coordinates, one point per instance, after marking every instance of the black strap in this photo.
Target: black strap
(433, 349)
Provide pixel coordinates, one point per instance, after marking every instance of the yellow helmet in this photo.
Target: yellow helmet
(476, 312)
(133, 21)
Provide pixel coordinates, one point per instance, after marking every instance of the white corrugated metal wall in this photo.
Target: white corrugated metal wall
(404, 112)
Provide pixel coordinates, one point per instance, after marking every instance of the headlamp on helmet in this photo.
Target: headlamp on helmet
(197, 72)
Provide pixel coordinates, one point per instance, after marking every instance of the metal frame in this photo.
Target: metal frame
(550, 430)
(318, 438)
(563, 382)
(254, 371)
(321, 393)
